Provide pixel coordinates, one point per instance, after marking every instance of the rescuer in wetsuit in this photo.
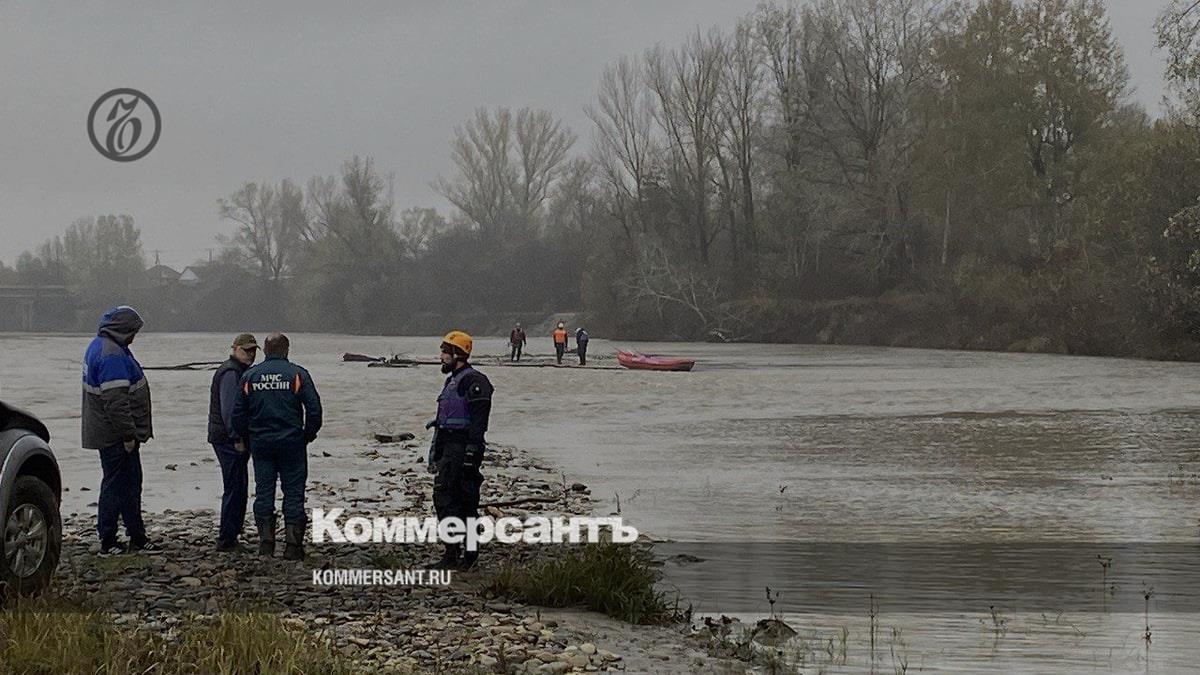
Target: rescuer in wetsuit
(458, 446)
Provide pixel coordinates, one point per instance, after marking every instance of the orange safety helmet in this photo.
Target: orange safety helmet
(459, 339)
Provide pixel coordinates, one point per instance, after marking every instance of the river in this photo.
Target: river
(925, 483)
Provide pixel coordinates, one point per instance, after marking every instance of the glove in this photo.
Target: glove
(130, 446)
(434, 453)
(473, 455)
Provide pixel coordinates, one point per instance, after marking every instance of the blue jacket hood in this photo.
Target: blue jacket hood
(120, 324)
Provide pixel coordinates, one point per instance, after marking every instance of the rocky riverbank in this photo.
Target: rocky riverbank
(454, 628)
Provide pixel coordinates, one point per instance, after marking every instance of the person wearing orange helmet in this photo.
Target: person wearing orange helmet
(560, 342)
(457, 450)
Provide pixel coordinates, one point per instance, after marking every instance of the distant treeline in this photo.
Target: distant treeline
(885, 171)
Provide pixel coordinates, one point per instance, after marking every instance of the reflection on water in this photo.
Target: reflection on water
(783, 447)
(1019, 577)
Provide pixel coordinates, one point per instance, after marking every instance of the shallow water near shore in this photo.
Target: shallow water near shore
(765, 456)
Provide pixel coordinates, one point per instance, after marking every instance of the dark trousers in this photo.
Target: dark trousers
(289, 468)
(581, 349)
(559, 350)
(235, 477)
(456, 487)
(516, 353)
(120, 495)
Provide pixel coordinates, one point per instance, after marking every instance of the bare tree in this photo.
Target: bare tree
(505, 167)
(624, 146)
(480, 153)
(574, 205)
(354, 210)
(880, 51)
(741, 111)
(541, 147)
(271, 224)
(658, 280)
(685, 82)
(293, 213)
(792, 51)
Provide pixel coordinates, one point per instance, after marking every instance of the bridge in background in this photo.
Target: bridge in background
(32, 308)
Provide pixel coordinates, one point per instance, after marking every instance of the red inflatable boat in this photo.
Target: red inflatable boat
(648, 362)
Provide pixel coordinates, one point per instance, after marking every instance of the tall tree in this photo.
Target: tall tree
(1074, 78)
(103, 255)
(505, 165)
(973, 162)
(741, 110)
(880, 66)
(685, 82)
(1178, 31)
(355, 255)
(624, 148)
(271, 225)
(542, 144)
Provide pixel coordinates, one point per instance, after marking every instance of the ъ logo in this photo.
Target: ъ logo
(124, 125)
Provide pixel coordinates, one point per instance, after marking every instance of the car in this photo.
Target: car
(30, 496)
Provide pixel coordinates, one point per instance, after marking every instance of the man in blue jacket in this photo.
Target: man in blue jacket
(581, 342)
(116, 421)
(278, 414)
(232, 453)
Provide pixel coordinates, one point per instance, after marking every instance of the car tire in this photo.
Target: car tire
(31, 502)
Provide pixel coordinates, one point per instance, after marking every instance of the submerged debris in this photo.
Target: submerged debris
(394, 438)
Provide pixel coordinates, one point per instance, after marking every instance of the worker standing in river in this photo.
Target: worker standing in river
(560, 342)
(463, 409)
(581, 342)
(516, 339)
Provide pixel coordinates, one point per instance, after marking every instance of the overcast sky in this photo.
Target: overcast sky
(291, 89)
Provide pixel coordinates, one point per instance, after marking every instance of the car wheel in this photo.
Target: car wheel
(32, 537)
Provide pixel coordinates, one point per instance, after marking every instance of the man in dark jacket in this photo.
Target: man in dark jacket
(227, 443)
(516, 339)
(279, 414)
(581, 342)
(462, 420)
(116, 421)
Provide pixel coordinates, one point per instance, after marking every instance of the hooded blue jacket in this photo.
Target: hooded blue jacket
(116, 395)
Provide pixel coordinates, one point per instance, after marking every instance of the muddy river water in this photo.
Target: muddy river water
(973, 512)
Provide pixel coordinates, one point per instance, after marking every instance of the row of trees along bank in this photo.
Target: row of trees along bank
(968, 174)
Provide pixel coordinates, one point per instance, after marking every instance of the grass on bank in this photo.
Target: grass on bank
(43, 636)
(616, 579)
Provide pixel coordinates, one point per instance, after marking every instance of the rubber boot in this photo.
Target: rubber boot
(266, 535)
(293, 540)
(449, 560)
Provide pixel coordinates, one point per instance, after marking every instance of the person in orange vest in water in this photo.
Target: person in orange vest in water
(560, 342)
